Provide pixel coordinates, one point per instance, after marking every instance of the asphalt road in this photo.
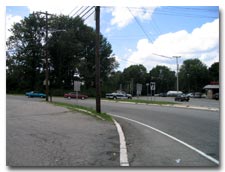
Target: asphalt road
(146, 147)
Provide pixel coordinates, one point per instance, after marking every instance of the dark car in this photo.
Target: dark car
(162, 94)
(216, 96)
(181, 97)
(35, 94)
(74, 95)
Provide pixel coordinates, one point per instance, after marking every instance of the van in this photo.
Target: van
(173, 93)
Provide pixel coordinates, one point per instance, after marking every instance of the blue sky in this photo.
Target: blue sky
(136, 33)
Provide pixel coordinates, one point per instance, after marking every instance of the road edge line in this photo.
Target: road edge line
(123, 147)
(173, 138)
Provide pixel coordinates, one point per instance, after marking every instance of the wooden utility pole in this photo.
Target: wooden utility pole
(97, 61)
(46, 57)
(46, 54)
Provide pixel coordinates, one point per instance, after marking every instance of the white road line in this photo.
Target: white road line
(123, 148)
(174, 138)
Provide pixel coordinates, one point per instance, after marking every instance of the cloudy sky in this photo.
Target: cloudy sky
(140, 34)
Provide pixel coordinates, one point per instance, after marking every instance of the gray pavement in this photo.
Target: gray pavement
(41, 134)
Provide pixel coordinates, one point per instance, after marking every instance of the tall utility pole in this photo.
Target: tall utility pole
(176, 63)
(46, 58)
(97, 60)
(46, 82)
(177, 71)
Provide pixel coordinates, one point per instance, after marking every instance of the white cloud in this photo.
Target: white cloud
(202, 43)
(10, 20)
(123, 16)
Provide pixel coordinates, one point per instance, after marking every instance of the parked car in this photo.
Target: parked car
(173, 93)
(35, 94)
(162, 94)
(118, 95)
(195, 95)
(74, 95)
(181, 97)
(216, 96)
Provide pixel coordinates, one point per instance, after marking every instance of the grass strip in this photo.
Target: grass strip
(86, 110)
(144, 101)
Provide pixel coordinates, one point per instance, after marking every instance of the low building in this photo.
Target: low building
(211, 89)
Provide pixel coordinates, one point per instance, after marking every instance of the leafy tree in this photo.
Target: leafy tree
(214, 72)
(70, 48)
(193, 75)
(163, 77)
(24, 60)
(132, 75)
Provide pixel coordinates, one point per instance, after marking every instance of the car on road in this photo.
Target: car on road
(173, 93)
(216, 96)
(181, 97)
(118, 95)
(74, 95)
(162, 94)
(35, 94)
(195, 95)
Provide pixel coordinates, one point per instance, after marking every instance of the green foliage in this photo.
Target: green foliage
(164, 78)
(193, 75)
(131, 76)
(214, 72)
(70, 48)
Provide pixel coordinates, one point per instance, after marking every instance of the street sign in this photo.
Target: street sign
(152, 86)
(139, 89)
(44, 82)
(77, 85)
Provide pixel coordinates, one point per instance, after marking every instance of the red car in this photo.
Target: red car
(73, 95)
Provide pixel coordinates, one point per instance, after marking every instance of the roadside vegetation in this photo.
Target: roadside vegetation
(86, 110)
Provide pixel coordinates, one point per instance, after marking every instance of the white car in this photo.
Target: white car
(118, 96)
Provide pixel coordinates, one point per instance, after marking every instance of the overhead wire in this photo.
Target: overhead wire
(72, 11)
(77, 11)
(139, 24)
(87, 12)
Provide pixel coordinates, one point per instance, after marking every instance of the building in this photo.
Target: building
(211, 89)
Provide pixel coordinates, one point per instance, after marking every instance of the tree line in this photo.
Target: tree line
(70, 48)
(193, 76)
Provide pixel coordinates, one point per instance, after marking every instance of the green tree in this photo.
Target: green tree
(24, 60)
(163, 77)
(132, 75)
(70, 48)
(214, 72)
(193, 75)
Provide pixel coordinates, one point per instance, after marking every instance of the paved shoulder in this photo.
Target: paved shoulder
(41, 134)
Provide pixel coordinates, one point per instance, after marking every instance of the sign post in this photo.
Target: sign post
(139, 89)
(76, 88)
(152, 87)
(147, 85)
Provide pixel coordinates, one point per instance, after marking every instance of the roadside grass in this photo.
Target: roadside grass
(144, 101)
(86, 110)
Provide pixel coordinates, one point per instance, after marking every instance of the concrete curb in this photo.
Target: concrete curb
(123, 147)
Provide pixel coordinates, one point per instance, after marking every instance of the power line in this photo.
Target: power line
(77, 11)
(89, 15)
(83, 12)
(139, 24)
(72, 11)
(87, 11)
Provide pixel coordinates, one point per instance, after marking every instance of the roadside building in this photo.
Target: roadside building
(211, 89)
